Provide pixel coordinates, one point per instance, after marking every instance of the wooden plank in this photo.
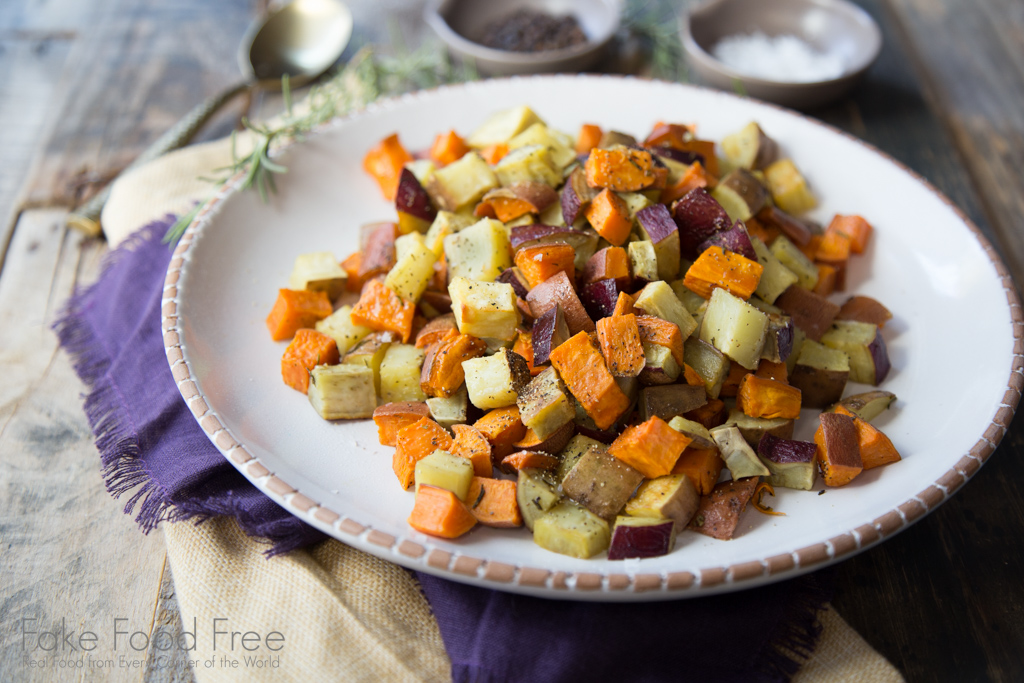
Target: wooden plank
(970, 54)
(140, 68)
(168, 665)
(945, 595)
(71, 557)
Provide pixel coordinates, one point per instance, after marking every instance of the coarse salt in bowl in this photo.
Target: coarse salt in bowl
(798, 53)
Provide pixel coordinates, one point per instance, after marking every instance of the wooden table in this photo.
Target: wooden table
(88, 83)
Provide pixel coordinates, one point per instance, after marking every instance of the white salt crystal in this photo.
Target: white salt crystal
(778, 58)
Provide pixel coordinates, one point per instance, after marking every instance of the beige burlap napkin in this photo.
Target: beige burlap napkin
(344, 614)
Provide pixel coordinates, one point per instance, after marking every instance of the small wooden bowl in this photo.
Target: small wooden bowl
(829, 26)
(457, 22)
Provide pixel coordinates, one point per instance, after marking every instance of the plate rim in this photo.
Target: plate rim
(584, 585)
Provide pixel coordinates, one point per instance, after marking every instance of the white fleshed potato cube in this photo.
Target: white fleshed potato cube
(479, 252)
(484, 309)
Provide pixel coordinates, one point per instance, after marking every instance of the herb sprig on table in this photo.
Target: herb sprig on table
(366, 77)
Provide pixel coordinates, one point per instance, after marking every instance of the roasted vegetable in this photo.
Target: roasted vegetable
(570, 529)
(869, 405)
(495, 381)
(739, 457)
(863, 343)
(838, 453)
(545, 405)
(641, 537)
(600, 482)
(820, 374)
(446, 471)
(339, 392)
(536, 493)
(792, 463)
(720, 510)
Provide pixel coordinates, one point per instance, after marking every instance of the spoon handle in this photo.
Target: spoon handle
(86, 217)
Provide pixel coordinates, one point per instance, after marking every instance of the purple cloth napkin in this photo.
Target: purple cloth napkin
(152, 448)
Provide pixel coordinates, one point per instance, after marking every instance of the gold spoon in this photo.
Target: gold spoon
(303, 39)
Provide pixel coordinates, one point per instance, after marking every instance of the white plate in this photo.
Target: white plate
(952, 299)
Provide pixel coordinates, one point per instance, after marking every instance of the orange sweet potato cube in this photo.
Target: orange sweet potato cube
(382, 310)
(582, 368)
(609, 215)
(415, 442)
(717, 267)
(493, 503)
(651, 447)
(622, 169)
(702, 466)
(768, 398)
(875, 447)
(391, 417)
(470, 443)
(538, 263)
(854, 227)
(295, 309)
(621, 345)
(502, 427)
(838, 449)
(439, 512)
(385, 163)
(447, 148)
(308, 349)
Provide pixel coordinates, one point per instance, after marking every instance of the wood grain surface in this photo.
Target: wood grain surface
(89, 83)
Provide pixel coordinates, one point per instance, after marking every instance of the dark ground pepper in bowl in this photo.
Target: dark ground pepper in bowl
(532, 31)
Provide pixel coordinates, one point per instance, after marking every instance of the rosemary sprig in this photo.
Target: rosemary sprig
(366, 77)
(656, 24)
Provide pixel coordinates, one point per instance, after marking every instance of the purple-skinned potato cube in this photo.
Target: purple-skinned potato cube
(698, 216)
(636, 537)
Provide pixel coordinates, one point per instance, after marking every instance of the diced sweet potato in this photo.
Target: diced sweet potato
(519, 460)
(381, 309)
(378, 250)
(654, 330)
(448, 147)
(731, 384)
(768, 398)
(622, 169)
(711, 414)
(435, 330)
(308, 349)
(864, 309)
(472, 444)
(439, 512)
(827, 278)
(651, 447)
(558, 290)
(854, 227)
(620, 341)
(875, 447)
(694, 177)
(493, 503)
(415, 442)
(391, 417)
(442, 373)
(838, 453)
(702, 466)
(503, 428)
(770, 370)
(551, 444)
(716, 267)
(610, 263)
(810, 312)
(719, 512)
(582, 368)
(385, 162)
(540, 262)
(589, 138)
(609, 215)
(351, 266)
(296, 309)
(624, 305)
